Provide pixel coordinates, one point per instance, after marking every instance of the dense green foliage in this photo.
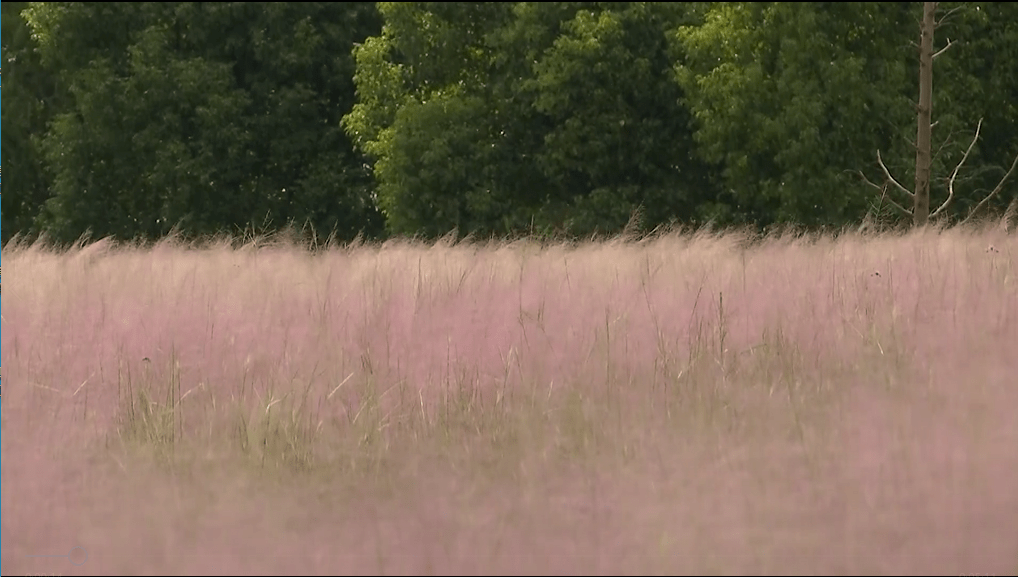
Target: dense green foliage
(130, 119)
(26, 111)
(553, 115)
(789, 97)
(203, 116)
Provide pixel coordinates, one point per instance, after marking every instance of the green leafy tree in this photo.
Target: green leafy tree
(793, 98)
(203, 116)
(31, 100)
(424, 116)
(618, 135)
(495, 117)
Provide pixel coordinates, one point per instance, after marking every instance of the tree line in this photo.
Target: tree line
(135, 119)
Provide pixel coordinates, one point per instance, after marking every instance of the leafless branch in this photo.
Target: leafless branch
(887, 174)
(1010, 214)
(883, 194)
(909, 140)
(891, 201)
(870, 221)
(943, 50)
(954, 174)
(943, 19)
(993, 193)
(947, 141)
(870, 182)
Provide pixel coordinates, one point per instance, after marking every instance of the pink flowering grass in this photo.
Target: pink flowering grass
(688, 404)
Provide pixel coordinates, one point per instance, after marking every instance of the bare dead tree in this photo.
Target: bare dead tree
(920, 195)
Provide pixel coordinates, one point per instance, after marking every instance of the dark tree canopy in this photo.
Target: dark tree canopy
(204, 116)
(501, 116)
(490, 118)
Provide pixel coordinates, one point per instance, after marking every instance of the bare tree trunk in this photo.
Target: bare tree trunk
(920, 196)
(921, 199)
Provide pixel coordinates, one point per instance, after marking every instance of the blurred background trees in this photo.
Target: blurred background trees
(417, 118)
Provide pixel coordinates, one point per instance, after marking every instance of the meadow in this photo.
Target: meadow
(692, 403)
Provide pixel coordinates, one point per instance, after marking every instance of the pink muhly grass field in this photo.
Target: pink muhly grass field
(688, 404)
